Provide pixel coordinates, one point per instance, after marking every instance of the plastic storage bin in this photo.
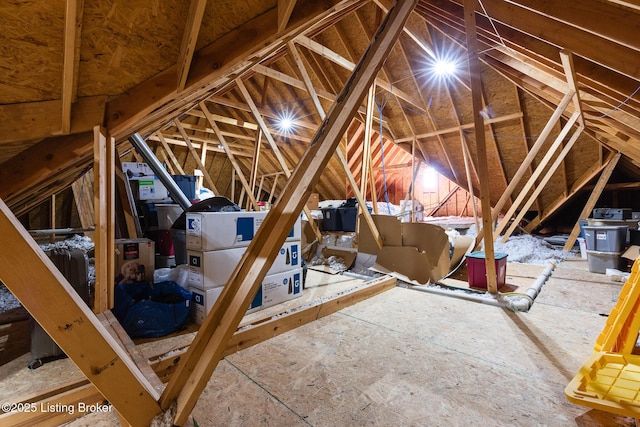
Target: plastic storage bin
(331, 219)
(348, 216)
(608, 213)
(599, 261)
(477, 270)
(187, 184)
(606, 238)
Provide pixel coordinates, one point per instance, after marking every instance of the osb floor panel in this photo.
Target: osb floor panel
(411, 358)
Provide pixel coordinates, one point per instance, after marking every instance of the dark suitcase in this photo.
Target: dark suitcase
(74, 266)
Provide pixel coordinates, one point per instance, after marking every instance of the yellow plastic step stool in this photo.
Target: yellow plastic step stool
(610, 379)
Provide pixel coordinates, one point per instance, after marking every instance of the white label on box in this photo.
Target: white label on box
(195, 270)
(601, 236)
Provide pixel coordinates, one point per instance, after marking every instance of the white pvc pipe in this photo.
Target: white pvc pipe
(520, 302)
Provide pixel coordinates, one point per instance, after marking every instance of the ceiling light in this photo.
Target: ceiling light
(285, 122)
(444, 67)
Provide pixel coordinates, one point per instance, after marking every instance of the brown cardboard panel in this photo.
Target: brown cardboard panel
(390, 229)
(349, 257)
(461, 246)
(423, 236)
(422, 267)
(632, 252)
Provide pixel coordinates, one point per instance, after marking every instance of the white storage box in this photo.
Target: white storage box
(208, 231)
(212, 269)
(202, 302)
(275, 289)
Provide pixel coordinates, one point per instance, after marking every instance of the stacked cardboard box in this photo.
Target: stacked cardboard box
(135, 260)
(216, 241)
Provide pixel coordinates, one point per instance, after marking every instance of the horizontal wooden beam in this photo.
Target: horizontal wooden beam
(165, 364)
(44, 161)
(37, 120)
(456, 129)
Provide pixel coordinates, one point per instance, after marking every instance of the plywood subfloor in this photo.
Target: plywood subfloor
(416, 359)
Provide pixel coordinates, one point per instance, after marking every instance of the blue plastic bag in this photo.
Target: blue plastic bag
(151, 311)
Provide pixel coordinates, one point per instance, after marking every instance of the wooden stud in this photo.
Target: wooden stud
(208, 346)
(165, 159)
(466, 156)
(255, 163)
(539, 169)
(194, 154)
(366, 146)
(83, 196)
(341, 158)
(232, 159)
(66, 318)
(189, 40)
(128, 206)
(72, 24)
(483, 169)
(272, 193)
(545, 180)
(578, 185)
(172, 156)
(285, 8)
(593, 198)
(109, 199)
(524, 166)
(100, 238)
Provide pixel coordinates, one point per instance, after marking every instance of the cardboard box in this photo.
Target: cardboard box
(135, 171)
(202, 302)
(417, 251)
(146, 184)
(135, 260)
(207, 231)
(275, 289)
(212, 269)
(313, 201)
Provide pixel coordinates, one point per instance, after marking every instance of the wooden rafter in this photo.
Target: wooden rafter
(466, 126)
(169, 152)
(72, 27)
(148, 104)
(285, 8)
(345, 63)
(239, 173)
(593, 198)
(194, 154)
(189, 39)
(44, 119)
(545, 180)
(208, 345)
(549, 155)
(66, 318)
